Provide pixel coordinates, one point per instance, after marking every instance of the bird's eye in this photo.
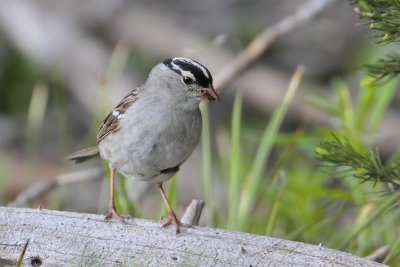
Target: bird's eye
(187, 80)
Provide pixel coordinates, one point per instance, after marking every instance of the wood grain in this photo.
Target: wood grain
(59, 238)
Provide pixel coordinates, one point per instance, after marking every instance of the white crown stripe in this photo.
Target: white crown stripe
(201, 67)
(183, 72)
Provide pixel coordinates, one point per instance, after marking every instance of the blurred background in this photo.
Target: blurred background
(65, 64)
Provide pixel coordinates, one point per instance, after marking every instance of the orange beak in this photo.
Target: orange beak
(211, 94)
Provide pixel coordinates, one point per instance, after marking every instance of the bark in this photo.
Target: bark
(59, 238)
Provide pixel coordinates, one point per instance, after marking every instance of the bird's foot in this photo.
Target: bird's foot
(113, 214)
(171, 219)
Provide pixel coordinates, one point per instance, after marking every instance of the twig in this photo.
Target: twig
(42, 187)
(193, 212)
(271, 34)
(379, 255)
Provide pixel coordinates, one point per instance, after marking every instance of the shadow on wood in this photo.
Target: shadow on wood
(59, 238)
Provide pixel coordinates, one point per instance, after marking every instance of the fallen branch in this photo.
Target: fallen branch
(42, 187)
(59, 238)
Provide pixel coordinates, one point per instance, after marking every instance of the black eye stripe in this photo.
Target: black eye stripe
(180, 65)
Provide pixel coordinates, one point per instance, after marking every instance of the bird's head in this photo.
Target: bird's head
(191, 76)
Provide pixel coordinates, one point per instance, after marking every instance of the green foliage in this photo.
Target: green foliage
(255, 175)
(235, 177)
(349, 154)
(383, 16)
(18, 76)
(348, 148)
(36, 115)
(385, 69)
(363, 165)
(297, 198)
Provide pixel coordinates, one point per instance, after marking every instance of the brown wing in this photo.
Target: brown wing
(111, 122)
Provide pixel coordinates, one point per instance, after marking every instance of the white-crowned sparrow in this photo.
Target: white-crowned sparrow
(155, 128)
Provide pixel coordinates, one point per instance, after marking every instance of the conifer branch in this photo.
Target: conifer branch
(366, 166)
(383, 16)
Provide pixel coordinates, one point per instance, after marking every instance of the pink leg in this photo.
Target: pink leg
(112, 211)
(171, 219)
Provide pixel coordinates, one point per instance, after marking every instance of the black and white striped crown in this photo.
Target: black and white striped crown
(191, 68)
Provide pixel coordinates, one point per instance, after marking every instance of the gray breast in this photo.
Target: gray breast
(159, 140)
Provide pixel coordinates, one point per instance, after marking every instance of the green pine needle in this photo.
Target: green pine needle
(366, 166)
(385, 69)
(383, 16)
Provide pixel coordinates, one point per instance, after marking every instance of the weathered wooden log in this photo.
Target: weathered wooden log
(59, 238)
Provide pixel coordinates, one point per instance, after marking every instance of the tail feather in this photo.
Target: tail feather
(84, 154)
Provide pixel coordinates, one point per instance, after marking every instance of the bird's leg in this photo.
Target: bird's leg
(171, 219)
(112, 211)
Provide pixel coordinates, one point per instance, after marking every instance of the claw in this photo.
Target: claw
(171, 219)
(113, 214)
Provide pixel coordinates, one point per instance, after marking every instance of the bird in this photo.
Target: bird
(154, 129)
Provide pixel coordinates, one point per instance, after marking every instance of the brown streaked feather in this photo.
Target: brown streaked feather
(111, 122)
